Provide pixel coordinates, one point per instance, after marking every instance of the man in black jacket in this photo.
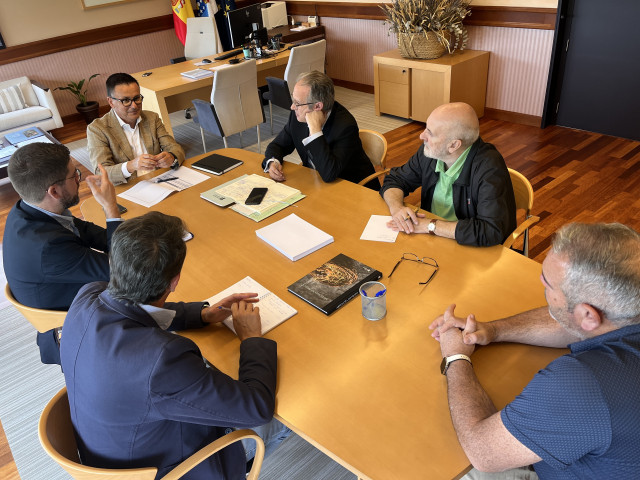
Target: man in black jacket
(324, 133)
(464, 180)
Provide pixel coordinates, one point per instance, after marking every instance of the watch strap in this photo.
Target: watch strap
(446, 361)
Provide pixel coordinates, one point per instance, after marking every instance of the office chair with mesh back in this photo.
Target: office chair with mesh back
(235, 103)
(304, 58)
(57, 438)
(523, 192)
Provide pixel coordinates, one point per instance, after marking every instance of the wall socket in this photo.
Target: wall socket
(313, 21)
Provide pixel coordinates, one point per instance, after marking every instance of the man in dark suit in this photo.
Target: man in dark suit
(129, 141)
(323, 132)
(141, 396)
(49, 254)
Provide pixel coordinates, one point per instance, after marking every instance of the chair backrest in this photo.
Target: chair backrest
(375, 146)
(202, 38)
(235, 97)
(522, 190)
(57, 437)
(305, 58)
(43, 320)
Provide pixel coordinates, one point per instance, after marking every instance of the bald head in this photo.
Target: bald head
(457, 121)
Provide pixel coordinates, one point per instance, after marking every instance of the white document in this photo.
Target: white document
(273, 311)
(294, 237)
(377, 230)
(150, 192)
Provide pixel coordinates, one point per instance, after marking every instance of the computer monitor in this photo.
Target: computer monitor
(243, 21)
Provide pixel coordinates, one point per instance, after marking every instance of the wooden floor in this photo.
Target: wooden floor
(576, 176)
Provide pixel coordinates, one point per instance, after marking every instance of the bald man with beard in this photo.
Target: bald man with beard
(464, 181)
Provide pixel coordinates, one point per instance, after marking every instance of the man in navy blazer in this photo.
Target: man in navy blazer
(49, 254)
(141, 396)
(323, 132)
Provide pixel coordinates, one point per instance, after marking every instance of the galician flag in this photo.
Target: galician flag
(206, 8)
(181, 11)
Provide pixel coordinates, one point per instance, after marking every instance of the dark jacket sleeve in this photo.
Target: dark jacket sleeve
(188, 315)
(409, 176)
(185, 390)
(486, 211)
(282, 145)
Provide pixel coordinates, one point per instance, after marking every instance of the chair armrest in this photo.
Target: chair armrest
(374, 175)
(216, 446)
(529, 222)
(40, 86)
(45, 99)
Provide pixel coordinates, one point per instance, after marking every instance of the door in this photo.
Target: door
(597, 85)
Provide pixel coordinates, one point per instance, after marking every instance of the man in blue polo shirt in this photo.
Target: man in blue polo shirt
(578, 418)
(464, 180)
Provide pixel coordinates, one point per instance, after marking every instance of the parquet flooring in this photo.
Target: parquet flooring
(576, 176)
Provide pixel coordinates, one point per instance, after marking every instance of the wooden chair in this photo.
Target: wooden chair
(523, 192)
(56, 434)
(375, 146)
(43, 320)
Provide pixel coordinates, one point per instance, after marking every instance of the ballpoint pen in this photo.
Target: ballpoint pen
(416, 211)
(166, 179)
(224, 308)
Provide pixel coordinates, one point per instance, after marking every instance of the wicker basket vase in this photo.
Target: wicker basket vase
(419, 45)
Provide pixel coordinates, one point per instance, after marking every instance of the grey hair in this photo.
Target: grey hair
(321, 86)
(603, 269)
(146, 253)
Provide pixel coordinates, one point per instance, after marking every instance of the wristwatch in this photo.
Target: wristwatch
(446, 361)
(176, 164)
(431, 228)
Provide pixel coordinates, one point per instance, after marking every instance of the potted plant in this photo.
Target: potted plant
(89, 110)
(428, 28)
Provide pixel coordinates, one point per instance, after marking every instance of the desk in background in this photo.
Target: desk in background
(368, 394)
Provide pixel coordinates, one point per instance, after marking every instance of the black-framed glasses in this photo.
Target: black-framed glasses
(297, 105)
(127, 101)
(77, 174)
(412, 257)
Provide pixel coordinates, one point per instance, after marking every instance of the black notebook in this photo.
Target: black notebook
(334, 283)
(217, 164)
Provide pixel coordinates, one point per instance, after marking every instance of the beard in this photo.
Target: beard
(70, 201)
(438, 154)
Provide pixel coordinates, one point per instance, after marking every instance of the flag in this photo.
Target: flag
(206, 8)
(181, 11)
(221, 21)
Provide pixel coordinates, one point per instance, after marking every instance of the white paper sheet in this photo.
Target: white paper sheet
(377, 230)
(149, 192)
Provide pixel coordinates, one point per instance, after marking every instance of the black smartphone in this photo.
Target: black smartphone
(256, 196)
(121, 208)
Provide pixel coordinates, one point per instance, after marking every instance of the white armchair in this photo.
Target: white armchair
(40, 111)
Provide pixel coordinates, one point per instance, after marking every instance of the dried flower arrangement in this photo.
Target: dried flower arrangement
(440, 20)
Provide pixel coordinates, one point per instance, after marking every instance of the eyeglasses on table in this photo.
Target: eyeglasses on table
(412, 257)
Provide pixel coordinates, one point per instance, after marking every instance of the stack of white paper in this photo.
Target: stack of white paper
(294, 237)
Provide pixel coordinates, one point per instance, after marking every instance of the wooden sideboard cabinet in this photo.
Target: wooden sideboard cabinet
(412, 88)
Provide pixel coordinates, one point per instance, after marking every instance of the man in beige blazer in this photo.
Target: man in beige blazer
(129, 141)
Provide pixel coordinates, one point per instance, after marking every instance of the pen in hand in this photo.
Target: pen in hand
(224, 308)
(166, 179)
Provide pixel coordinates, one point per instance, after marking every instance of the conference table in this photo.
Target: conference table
(165, 90)
(368, 394)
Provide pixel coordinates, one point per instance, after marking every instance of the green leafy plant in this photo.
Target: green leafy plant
(442, 17)
(76, 89)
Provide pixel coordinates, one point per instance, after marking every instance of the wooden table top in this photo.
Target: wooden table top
(369, 394)
(168, 78)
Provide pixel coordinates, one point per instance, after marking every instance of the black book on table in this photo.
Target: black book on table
(216, 164)
(334, 283)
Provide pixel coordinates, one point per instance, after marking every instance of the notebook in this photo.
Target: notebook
(273, 310)
(333, 283)
(294, 237)
(216, 164)
(197, 73)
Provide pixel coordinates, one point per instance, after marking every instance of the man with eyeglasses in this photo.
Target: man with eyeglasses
(578, 417)
(129, 141)
(464, 180)
(323, 132)
(49, 254)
